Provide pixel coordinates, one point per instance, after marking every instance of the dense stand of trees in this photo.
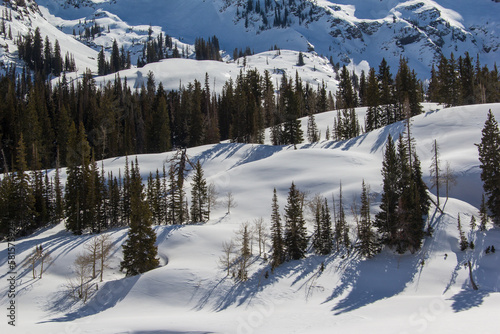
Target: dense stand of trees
(463, 81)
(41, 58)
(118, 120)
(93, 200)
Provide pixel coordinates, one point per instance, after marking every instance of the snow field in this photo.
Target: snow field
(428, 291)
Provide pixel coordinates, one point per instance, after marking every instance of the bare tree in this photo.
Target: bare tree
(449, 178)
(32, 260)
(260, 234)
(80, 286)
(230, 202)
(92, 249)
(44, 257)
(227, 259)
(436, 180)
(213, 197)
(38, 256)
(105, 249)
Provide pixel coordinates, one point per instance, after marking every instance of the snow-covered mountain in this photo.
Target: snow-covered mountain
(347, 31)
(429, 291)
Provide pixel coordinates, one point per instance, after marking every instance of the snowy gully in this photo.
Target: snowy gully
(11, 278)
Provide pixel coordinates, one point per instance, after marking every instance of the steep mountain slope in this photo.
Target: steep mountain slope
(26, 19)
(427, 291)
(345, 30)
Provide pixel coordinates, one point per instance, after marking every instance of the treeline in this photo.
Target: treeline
(156, 49)
(119, 120)
(207, 50)
(41, 58)
(463, 81)
(119, 60)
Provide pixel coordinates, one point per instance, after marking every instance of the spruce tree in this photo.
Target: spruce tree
(326, 238)
(295, 237)
(386, 219)
(23, 204)
(367, 239)
(372, 99)
(483, 215)
(199, 196)
(139, 250)
(278, 253)
(489, 156)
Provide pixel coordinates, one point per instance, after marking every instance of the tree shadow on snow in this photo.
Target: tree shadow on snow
(467, 299)
(372, 280)
(108, 296)
(394, 130)
(241, 292)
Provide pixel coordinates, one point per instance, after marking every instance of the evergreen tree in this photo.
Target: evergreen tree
(489, 156)
(295, 237)
(199, 196)
(367, 239)
(58, 195)
(386, 220)
(341, 231)
(483, 214)
(77, 182)
(22, 209)
(278, 244)
(312, 129)
(326, 234)
(372, 99)
(464, 244)
(300, 62)
(139, 250)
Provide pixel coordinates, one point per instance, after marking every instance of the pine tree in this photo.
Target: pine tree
(489, 156)
(464, 244)
(300, 62)
(367, 244)
(326, 238)
(483, 214)
(295, 237)
(78, 206)
(312, 129)
(278, 255)
(316, 206)
(22, 210)
(372, 99)
(199, 196)
(386, 219)
(341, 230)
(139, 250)
(58, 194)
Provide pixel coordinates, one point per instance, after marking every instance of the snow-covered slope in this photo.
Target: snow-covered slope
(173, 73)
(412, 293)
(346, 30)
(27, 19)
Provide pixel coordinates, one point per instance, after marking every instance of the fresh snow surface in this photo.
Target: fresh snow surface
(428, 291)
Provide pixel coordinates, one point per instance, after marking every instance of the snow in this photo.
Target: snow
(350, 31)
(190, 293)
(174, 73)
